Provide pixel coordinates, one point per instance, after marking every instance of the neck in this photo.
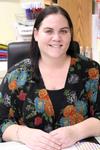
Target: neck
(54, 63)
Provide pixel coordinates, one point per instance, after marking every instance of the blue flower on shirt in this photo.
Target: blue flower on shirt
(81, 107)
(22, 78)
(92, 85)
(39, 105)
(64, 121)
(13, 75)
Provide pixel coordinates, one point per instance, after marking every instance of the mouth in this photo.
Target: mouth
(55, 46)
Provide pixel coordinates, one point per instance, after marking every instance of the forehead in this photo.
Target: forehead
(54, 20)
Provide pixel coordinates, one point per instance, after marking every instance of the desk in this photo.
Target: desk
(77, 146)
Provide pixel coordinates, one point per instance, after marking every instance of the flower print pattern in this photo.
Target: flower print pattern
(22, 95)
(69, 111)
(43, 95)
(81, 107)
(12, 85)
(16, 79)
(1, 99)
(70, 96)
(37, 121)
(22, 78)
(91, 89)
(12, 76)
(48, 128)
(11, 113)
(64, 121)
(76, 118)
(39, 105)
(6, 100)
(93, 73)
(91, 110)
(71, 115)
(73, 79)
(28, 103)
(73, 61)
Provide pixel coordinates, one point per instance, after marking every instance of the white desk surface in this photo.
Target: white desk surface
(77, 146)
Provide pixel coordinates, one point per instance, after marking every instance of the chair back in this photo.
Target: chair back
(18, 51)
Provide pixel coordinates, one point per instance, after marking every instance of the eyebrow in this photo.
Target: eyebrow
(60, 28)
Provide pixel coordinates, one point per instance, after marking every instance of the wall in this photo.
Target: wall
(8, 9)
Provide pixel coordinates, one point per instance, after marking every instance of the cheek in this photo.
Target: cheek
(42, 41)
(41, 38)
(67, 40)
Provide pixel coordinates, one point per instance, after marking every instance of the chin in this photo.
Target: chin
(56, 56)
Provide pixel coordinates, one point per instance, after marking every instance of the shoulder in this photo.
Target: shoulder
(87, 62)
(19, 72)
(22, 65)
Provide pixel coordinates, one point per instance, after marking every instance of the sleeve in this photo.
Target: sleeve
(97, 106)
(94, 74)
(5, 106)
(10, 105)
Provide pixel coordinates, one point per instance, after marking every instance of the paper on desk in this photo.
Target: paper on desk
(84, 146)
(77, 146)
(98, 139)
(13, 146)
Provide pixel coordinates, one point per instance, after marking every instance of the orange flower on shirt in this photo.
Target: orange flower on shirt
(43, 94)
(12, 85)
(11, 113)
(76, 118)
(49, 109)
(93, 73)
(69, 111)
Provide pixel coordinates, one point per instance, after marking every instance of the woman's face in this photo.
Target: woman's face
(53, 36)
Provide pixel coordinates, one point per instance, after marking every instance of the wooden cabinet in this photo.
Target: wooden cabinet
(48, 2)
(81, 14)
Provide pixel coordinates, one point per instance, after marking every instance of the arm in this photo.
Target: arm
(33, 138)
(72, 134)
(88, 128)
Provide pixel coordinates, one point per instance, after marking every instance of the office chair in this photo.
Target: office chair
(18, 51)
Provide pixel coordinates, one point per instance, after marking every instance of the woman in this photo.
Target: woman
(52, 100)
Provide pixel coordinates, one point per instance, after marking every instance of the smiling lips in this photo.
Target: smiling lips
(55, 46)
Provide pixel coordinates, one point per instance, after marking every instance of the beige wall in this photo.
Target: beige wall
(8, 9)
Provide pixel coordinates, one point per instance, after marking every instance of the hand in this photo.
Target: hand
(67, 136)
(38, 140)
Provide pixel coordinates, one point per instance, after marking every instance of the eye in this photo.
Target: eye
(49, 31)
(65, 31)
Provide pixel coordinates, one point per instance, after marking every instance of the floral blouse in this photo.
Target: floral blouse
(24, 101)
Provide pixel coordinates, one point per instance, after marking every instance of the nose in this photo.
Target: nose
(56, 36)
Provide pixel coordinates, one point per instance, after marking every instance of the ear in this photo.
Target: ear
(36, 34)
